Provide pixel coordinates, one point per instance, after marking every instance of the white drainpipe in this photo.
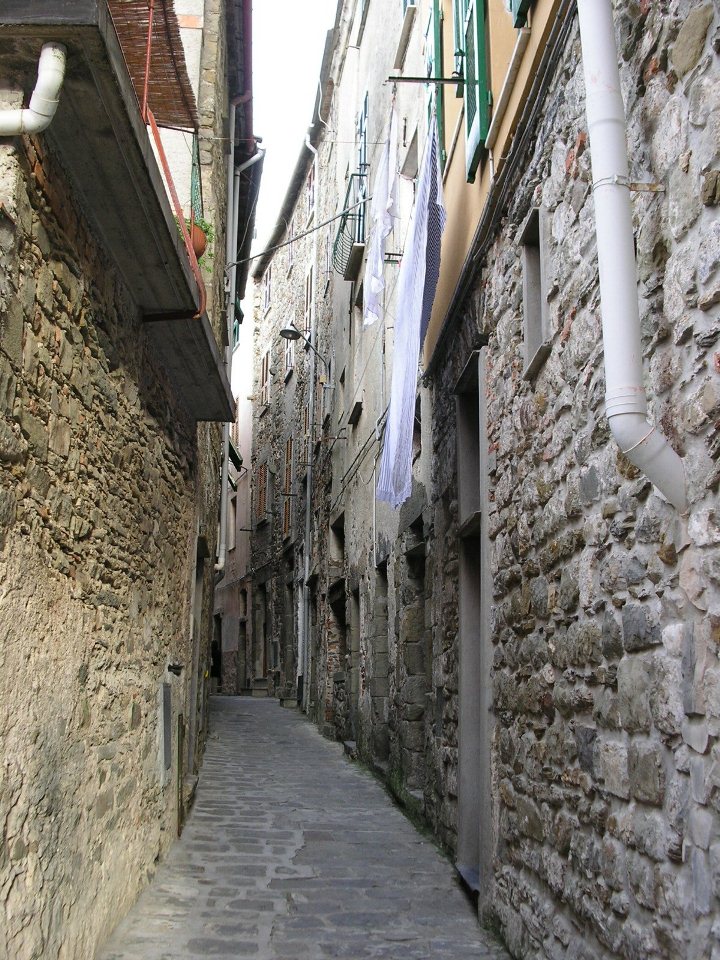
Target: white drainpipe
(45, 98)
(231, 244)
(303, 664)
(626, 403)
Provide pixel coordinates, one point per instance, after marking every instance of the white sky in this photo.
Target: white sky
(288, 42)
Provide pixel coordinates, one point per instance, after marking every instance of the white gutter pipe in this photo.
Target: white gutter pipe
(45, 98)
(625, 400)
(303, 664)
(231, 242)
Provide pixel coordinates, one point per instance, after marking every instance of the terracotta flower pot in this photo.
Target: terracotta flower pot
(198, 240)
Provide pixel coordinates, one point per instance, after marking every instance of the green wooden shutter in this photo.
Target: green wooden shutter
(434, 67)
(477, 93)
(519, 10)
(459, 14)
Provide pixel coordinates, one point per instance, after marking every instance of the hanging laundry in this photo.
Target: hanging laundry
(383, 213)
(417, 281)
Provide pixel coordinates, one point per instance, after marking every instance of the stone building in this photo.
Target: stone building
(112, 384)
(527, 650)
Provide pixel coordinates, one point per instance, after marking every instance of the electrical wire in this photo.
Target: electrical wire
(298, 236)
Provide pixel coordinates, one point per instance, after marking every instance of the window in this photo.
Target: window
(291, 245)
(261, 492)
(535, 324)
(231, 522)
(310, 192)
(287, 488)
(519, 10)
(265, 379)
(434, 68)
(289, 357)
(267, 289)
(470, 35)
(236, 330)
(309, 294)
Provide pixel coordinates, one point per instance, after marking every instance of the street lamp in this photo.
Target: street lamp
(292, 333)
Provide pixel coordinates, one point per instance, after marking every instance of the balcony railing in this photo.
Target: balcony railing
(350, 240)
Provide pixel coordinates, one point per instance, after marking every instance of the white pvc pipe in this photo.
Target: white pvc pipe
(231, 243)
(626, 404)
(45, 98)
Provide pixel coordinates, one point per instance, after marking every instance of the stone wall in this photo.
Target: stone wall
(102, 490)
(605, 602)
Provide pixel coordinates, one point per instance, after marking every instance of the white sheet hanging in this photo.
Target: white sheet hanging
(417, 282)
(383, 212)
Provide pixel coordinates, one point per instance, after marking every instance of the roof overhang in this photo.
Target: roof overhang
(104, 147)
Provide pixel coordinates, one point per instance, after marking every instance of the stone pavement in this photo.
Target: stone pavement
(294, 852)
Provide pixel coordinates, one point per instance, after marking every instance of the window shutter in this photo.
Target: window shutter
(265, 378)
(477, 94)
(519, 10)
(459, 14)
(261, 504)
(287, 487)
(434, 68)
(308, 302)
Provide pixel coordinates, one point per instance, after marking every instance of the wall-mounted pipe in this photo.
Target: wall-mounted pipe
(303, 663)
(626, 403)
(233, 227)
(45, 98)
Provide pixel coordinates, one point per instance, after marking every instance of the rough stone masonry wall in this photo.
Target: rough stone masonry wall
(606, 604)
(97, 506)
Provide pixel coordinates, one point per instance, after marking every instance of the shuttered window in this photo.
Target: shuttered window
(434, 68)
(267, 289)
(265, 379)
(261, 492)
(307, 315)
(470, 31)
(287, 488)
(289, 357)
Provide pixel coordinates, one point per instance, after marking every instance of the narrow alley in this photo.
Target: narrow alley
(293, 851)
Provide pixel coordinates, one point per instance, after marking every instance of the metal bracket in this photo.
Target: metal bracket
(457, 79)
(634, 185)
(646, 187)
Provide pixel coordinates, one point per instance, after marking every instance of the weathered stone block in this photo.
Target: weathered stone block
(415, 658)
(634, 685)
(379, 687)
(59, 436)
(13, 448)
(529, 819)
(640, 627)
(11, 332)
(647, 773)
(690, 42)
(611, 765)
(412, 735)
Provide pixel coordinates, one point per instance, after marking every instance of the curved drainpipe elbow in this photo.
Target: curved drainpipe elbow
(45, 98)
(645, 446)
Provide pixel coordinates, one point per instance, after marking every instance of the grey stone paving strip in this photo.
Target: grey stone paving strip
(294, 853)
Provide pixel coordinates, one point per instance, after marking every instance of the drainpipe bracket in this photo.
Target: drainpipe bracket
(635, 186)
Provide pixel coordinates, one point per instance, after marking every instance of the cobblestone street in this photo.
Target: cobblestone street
(292, 851)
